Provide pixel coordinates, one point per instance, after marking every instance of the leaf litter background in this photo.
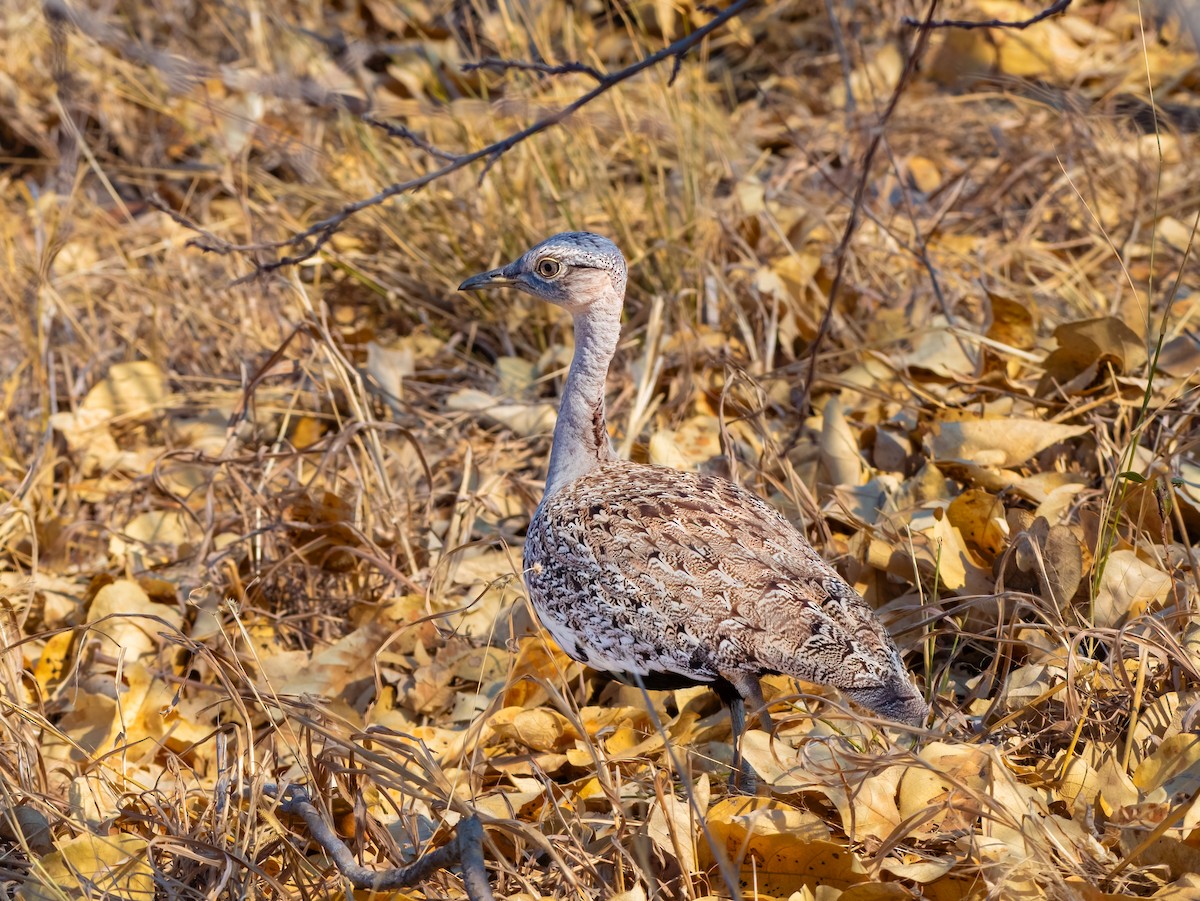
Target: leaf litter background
(270, 533)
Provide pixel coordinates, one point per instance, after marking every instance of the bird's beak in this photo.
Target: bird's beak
(496, 278)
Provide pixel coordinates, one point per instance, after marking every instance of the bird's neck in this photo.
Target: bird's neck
(581, 442)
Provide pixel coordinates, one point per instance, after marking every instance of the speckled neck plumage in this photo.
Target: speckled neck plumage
(581, 442)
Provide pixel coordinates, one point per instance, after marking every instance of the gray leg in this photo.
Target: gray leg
(750, 688)
(742, 779)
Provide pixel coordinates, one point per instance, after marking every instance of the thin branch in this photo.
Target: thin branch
(317, 235)
(395, 130)
(495, 64)
(466, 850)
(1053, 9)
(842, 252)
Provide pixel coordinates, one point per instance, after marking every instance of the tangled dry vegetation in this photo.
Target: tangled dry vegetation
(268, 533)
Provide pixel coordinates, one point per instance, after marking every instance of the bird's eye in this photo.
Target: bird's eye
(549, 268)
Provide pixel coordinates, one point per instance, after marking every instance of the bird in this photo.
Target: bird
(664, 578)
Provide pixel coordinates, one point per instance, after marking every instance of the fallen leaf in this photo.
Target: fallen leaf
(997, 442)
(128, 389)
(123, 613)
(672, 824)
(1085, 346)
(93, 865)
(538, 729)
(526, 419)
(1127, 588)
(840, 458)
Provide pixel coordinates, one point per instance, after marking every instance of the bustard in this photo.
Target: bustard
(665, 578)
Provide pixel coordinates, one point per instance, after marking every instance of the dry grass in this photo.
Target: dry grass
(308, 541)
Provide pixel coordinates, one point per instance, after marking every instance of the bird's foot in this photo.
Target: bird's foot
(743, 780)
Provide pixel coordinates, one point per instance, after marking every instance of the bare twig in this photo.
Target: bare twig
(317, 235)
(910, 66)
(1053, 9)
(494, 64)
(396, 130)
(466, 850)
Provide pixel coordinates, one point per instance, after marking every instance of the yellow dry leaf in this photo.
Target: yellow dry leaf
(938, 350)
(1180, 857)
(539, 659)
(672, 824)
(591, 787)
(1185, 888)
(153, 537)
(1012, 322)
(526, 419)
(88, 437)
(763, 838)
(1173, 769)
(979, 516)
(868, 804)
(128, 389)
(541, 729)
(770, 284)
(797, 865)
(503, 805)
(798, 269)
(327, 672)
(751, 194)
(876, 891)
(1128, 587)
(1087, 345)
(517, 376)
(1026, 684)
(872, 82)
(89, 866)
(693, 443)
(921, 870)
(1077, 783)
(841, 461)
(776, 763)
(736, 821)
(1115, 787)
(538, 728)
(1048, 52)
(389, 366)
(924, 174)
(944, 795)
(939, 549)
(665, 451)
(596, 719)
(1174, 232)
(52, 662)
(1165, 716)
(997, 442)
(1019, 814)
(1055, 493)
(130, 622)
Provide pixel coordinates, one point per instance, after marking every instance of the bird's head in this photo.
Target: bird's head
(572, 270)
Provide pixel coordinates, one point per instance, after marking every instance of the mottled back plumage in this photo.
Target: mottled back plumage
(671, 578)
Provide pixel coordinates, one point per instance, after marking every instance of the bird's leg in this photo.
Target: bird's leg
(742, 778)
(750, 689)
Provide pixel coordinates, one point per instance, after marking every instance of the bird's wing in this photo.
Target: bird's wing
(716, 576)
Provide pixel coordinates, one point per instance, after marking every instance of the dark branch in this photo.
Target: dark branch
(317, 235)
(843, 248)
(1053, 9)
(494, 64)
(466, 850)
(396, 130)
